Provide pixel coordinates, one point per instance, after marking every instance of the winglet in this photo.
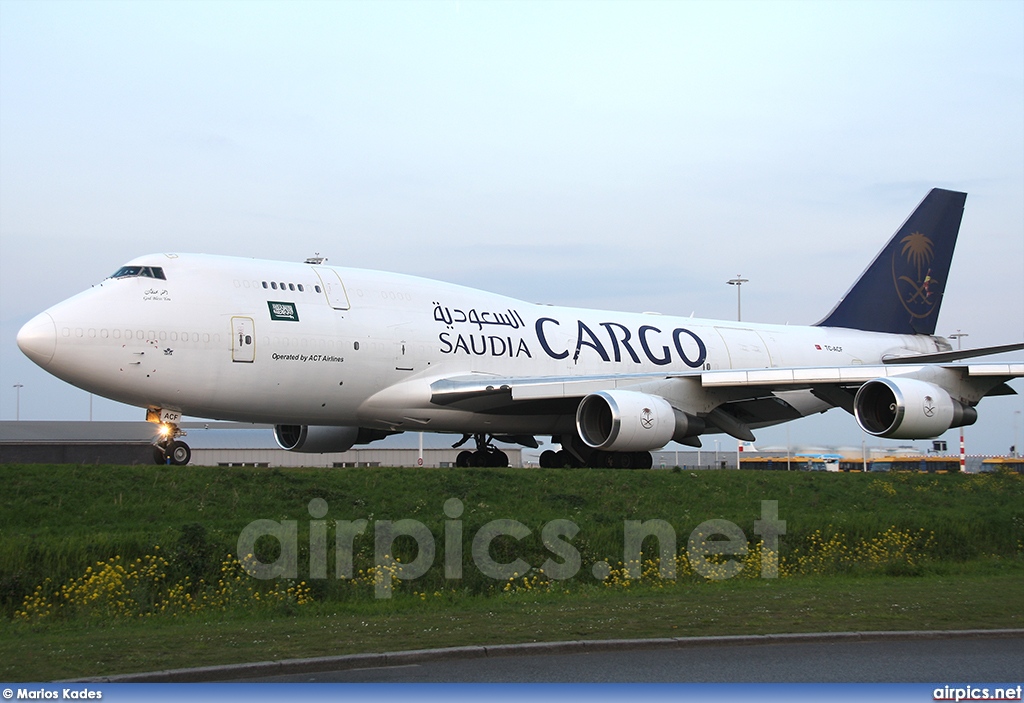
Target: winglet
(901, 291)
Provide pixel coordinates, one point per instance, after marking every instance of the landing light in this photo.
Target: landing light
(165, 430)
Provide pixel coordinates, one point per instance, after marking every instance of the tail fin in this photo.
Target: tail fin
(901, 291)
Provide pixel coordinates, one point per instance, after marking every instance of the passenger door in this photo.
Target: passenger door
(243, 340)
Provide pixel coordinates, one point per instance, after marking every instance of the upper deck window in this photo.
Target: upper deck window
(140, 272)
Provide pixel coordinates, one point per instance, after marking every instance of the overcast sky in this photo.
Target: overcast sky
(630, 156)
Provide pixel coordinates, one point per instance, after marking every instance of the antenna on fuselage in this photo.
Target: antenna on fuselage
(316, 259)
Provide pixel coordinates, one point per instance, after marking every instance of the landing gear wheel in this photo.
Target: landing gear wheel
(180, 453)
(623, 460)
(486, 454)
(565, 460)
(159, 456)
(549, 459)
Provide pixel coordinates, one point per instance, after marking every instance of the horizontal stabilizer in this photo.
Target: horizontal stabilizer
(946, 357)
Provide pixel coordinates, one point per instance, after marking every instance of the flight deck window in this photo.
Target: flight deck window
(140, 272)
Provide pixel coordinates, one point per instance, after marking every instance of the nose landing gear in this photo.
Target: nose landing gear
(176, 453)
(168, 449)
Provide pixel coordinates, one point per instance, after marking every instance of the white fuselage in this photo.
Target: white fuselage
(236, 339)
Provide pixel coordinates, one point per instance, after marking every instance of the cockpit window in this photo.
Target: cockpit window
(140, 272)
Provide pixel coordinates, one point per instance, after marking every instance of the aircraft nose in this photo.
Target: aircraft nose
(38, 339)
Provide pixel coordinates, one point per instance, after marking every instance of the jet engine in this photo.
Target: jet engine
(315, 439)
(628, 421)
(907, 408)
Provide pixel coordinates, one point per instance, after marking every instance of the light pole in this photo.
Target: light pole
(17, 402)
(738, 281)
(1016, 447)
(958, 335)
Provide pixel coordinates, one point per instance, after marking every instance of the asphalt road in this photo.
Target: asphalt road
(949, 660)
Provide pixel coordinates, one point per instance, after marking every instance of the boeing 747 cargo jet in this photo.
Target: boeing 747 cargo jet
(335, 357)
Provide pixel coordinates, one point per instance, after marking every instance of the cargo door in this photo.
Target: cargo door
(746, 348)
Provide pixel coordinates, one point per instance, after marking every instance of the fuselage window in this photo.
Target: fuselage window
(283, 287)
(301, 289)
(273, 284)
(317, 288)
(356, 346)
(291, 286)
(264, 284)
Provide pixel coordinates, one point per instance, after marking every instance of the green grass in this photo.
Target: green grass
(816, 604)
(963, 570)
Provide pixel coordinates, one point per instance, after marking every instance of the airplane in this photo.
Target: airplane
(334, 357)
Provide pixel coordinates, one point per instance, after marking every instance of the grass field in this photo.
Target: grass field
(116, 569)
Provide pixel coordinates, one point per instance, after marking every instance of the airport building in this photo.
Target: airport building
(213, 444)
(237, 444)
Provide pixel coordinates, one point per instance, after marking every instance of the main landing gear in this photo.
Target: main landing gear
(168, 449)
(486, 454)
(563, 459)
(574, 454)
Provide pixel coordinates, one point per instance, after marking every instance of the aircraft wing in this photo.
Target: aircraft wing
(733, 400)
(845, 375)
(477, 387)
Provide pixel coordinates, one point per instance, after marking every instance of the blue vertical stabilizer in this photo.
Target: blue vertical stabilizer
(901, 291)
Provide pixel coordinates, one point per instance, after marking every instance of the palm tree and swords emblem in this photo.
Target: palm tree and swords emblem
(919, 295)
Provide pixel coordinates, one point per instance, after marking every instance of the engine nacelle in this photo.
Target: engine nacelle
(906, 408)
(625, 421)
(316, 439)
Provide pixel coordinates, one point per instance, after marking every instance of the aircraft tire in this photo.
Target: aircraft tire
(464, 459)
(498, 459)
(623, 460)
(548, 459)
(159, 456)
(180, 453)
(565, 460)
